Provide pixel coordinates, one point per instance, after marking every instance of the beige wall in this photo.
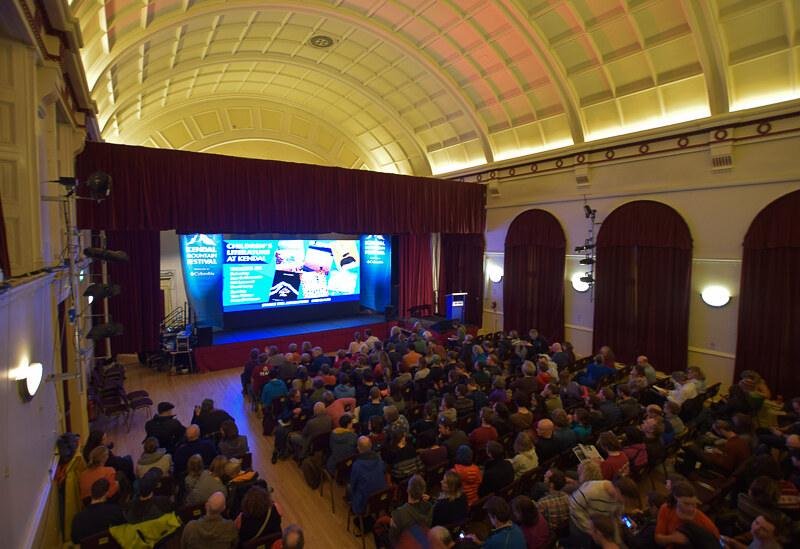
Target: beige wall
(718, 208)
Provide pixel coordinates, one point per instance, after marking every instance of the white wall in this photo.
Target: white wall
(718, 208)
(171, 261)
(28, 431)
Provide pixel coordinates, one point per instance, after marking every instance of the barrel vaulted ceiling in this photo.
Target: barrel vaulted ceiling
(425, 86)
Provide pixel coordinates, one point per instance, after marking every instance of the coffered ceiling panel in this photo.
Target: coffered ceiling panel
(425, 86)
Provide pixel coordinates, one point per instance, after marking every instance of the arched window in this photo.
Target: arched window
(769, 303)
(533, 287)
(643, 275)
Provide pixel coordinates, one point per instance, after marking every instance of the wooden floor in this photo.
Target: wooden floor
(299, 503)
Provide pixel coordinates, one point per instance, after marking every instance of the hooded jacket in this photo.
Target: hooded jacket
(366, 478)
(159, 459)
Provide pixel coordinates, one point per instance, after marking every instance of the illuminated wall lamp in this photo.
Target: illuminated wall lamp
(715, 296)
(577, 284)
(29, 379)
(495, 272)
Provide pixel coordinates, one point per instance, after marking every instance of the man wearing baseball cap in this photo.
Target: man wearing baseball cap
(165, 427)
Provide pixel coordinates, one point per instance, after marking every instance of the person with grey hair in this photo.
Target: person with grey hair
(211, 530)
(318, 425)
(416, 511)
(439, 536)
(684, 389)
(293, 537)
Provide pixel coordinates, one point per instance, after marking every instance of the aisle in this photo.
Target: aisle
(300, 504)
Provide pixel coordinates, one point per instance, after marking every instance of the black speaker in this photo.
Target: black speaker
(390, 313)
(205, 336)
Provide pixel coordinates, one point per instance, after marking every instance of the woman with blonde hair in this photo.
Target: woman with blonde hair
(209, 482)
(525, 458)
(451, 507)
(97, 469)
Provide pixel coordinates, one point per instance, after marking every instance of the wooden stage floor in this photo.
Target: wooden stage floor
(300, 504)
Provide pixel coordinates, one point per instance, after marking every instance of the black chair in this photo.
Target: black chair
(191, 512)
(382, 500)
(341, 475)
(247, 462)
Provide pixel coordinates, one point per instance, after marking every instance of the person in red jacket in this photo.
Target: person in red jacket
(471, 476)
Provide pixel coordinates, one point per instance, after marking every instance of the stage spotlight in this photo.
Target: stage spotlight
(587, 261)
(584, 248)
(102, 331)
(589, 279)
(106, 255)
(588, 212)
(99, 185)
(100, 291)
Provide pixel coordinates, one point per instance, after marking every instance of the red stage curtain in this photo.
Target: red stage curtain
(416, 272)
(163, 189)
(461, 270)
(5, 261)
(138, 306)
(769, 308)
(643, 275)
(533, 286)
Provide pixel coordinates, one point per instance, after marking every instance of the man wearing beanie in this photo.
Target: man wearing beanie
(165, 427)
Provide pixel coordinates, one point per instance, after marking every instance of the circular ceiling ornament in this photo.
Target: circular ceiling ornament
(683, 142)
(580, 159)
(321, 41)
(721, 134)
(559, 162)
(534, 167)
(610, 154)
(644, 148)
(764, 128)
(512, 172)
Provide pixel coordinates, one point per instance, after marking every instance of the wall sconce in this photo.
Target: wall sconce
(715, 296)
(577, 284)
(495, 272)
(29, 378)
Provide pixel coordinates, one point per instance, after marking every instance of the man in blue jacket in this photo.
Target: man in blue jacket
(275, 388)
(367, 476)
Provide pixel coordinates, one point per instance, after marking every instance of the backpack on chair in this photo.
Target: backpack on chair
(312, 471)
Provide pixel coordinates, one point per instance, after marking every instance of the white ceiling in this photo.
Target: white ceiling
(425, 86)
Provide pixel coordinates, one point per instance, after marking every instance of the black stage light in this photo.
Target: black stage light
(106, 255)
(588, 212)
(589, 279)
(99, 185)
(102, 331)
(100, 291)
(587, 261)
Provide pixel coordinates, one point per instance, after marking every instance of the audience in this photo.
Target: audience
(498, 472)
(533, 525)
(259, 516)
(504, 534)
(146, 505)
(165, 428)
(367, 475)
(193, 445)
(153, 457)
(470, 474)
(451, 507)
(208, 418)
(201, 483)
(525, 458)
(99, 515)
(232, 444)
(212, 530)
(417, 511)
(97, 469)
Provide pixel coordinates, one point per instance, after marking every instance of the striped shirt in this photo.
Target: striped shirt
(594, 496)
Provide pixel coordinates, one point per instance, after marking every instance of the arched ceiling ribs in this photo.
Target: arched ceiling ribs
(519, 17)
(191, 107)
(700, 16)
(158, 78)
(132, 40)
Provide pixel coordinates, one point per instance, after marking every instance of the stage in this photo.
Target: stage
(231, 348)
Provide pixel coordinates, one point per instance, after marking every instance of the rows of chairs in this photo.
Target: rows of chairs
(109, 397)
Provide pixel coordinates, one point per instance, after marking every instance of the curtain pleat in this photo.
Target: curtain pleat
(769, 297)
(533, 285)
(461, 270)
(416, 272)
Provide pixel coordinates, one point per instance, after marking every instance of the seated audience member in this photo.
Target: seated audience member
(764, 532)
(153, 457)
(374, 407)
(440, 537)
(259, 515)
(247, 372)
(483, 434)
(552, 398)
(522, 419)
(337, 407)
(165, 428)
(525, 458)
(211, 530)
(698, 377)
(559, 356)
(671, 411)
(451, 507)
(232, 444)
(604, 531)
(471, 475)
(193, 445)
(97, 469)
(641, 532)
(504, 534)
(274, 388)
(501, 420)
(546, 445)
(527, 384)
(343, 442)
(98, 516)
(604, 403)
(448, 409)
(647, 368)
(563, 434)
(401, 457)
(208, 418)
(463, 404)
(122, 464)
(498, 393)
(634, 448)
(292, 538)
(616, 461)
(320, 424)
(394, 423)
(684, 389)
(581, 424)
(680, 508)
(733, 451)
(498, 471)
(628, 405)
(146, 505)
(260, 377)
(595, 371)
(376, 434)
(344, 389)
(201, 483)
(417, 511)
(367, 476)
(533, 525)
(554, 506)
(238, 483)
(594, 495)
(451, 437)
